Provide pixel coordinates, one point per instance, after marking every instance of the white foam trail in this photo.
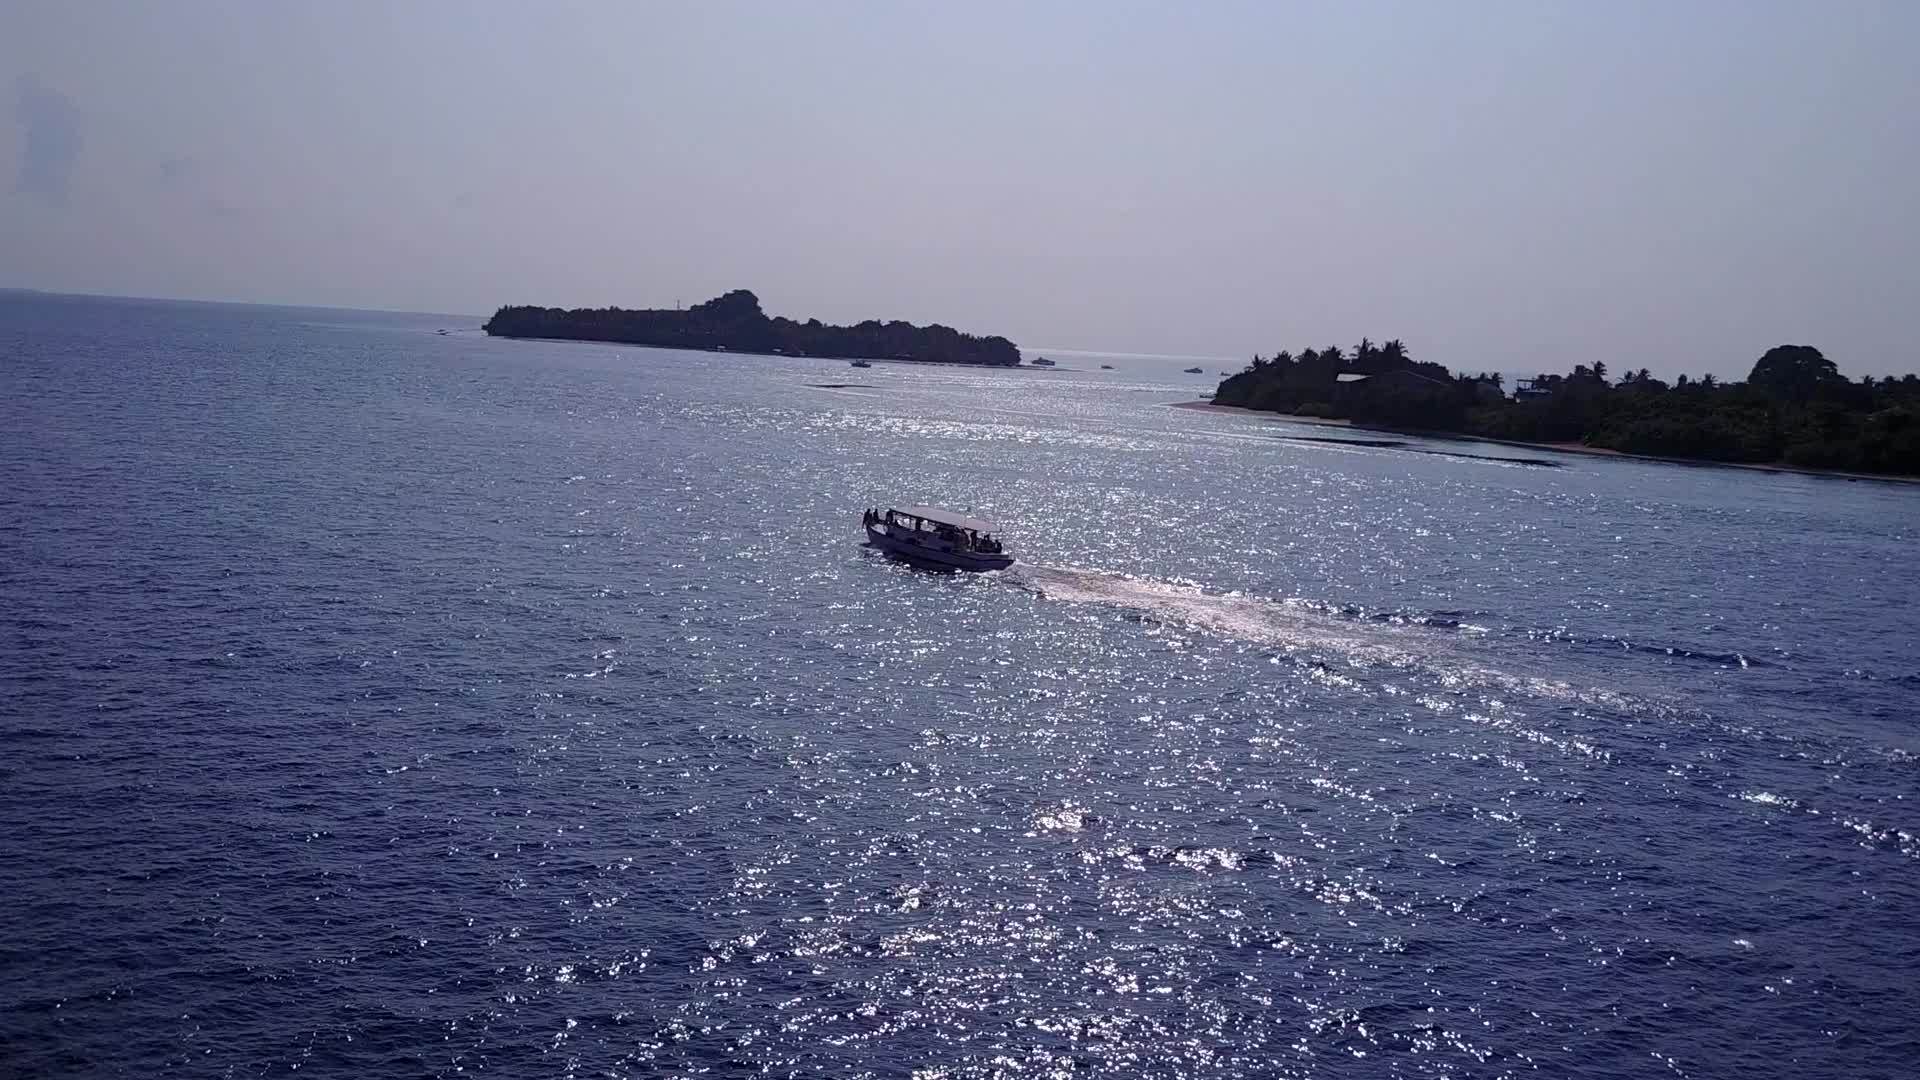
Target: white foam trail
(1302, 630)
(1289, 625)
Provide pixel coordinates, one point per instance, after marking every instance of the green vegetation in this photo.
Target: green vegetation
(1795, 407)
(735, 322)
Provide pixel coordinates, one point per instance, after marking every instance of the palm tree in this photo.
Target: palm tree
(1394, 353)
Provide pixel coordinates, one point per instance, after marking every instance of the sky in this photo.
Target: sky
(1503, 186)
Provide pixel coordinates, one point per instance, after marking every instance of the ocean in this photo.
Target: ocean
(377, 702)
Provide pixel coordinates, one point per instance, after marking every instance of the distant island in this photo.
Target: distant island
(734, 323)
(1794, 409)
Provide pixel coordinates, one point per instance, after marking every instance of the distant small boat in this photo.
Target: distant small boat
(1106, 367)
(936, 537)
(861, 363)
(1041, 361)
(440, 332)
(1196, 371)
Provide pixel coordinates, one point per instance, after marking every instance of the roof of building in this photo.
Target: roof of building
(947, 517)
(1396, 373)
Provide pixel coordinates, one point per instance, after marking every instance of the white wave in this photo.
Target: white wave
(1290, 626)
(1308, 632)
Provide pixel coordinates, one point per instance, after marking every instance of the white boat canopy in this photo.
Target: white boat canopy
(947, 517)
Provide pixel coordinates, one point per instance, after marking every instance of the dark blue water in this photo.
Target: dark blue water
(376, 703)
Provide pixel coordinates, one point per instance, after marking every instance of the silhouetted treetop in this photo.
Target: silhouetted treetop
(1794, 371)
(739, 305)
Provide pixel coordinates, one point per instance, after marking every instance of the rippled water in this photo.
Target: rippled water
(382, 703)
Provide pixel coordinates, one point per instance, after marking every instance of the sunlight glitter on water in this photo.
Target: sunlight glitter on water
(1267, 759)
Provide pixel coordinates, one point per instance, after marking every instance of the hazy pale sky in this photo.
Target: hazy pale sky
(1510, 186)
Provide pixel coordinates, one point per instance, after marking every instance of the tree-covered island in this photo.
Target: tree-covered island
(1795, 408)
(735, 323)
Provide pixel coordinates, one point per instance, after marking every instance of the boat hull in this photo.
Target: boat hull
(934, 553)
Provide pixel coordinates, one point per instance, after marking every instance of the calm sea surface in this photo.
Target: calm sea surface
(378, 703)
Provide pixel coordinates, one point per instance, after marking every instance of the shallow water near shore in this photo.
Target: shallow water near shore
(384, 703)
(1570, 449)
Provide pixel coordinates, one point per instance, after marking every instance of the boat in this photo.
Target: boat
(1041, 361)
(930, 536)
(1196, 371)
(862, 363)
(1106, 367)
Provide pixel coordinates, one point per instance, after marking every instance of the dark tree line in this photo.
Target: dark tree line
(735, 322)
(1794, 408)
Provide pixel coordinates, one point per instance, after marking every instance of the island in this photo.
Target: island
(734, 322)
(1795, 409)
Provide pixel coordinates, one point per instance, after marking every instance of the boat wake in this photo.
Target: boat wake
(1339, 647)
(1293, 626)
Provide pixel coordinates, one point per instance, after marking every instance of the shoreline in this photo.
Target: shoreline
(1558, 448)
(723, 350)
